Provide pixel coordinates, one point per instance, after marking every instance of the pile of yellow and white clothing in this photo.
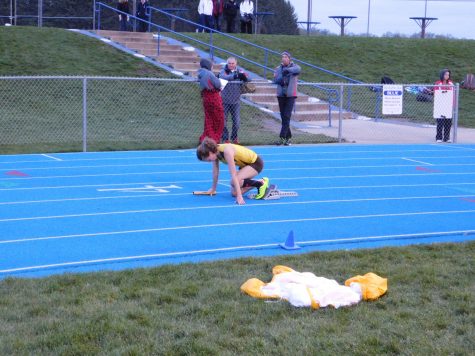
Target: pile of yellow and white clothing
(305, 289)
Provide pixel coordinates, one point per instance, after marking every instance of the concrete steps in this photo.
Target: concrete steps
(187, 62)
(306, 108)
(174, 56)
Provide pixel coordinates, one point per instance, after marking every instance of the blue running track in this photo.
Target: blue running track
(75, 212)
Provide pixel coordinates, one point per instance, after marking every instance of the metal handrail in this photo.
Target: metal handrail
(332, 94)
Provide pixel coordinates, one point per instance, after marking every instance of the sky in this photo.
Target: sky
(455, 17)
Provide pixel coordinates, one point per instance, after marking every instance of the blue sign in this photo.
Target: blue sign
(393, 92)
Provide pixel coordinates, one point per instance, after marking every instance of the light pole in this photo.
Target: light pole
(40, 13)
(309, 16)
(369, 11)
(256, 17)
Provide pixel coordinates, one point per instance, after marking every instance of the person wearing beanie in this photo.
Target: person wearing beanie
(444, 124)
(210, 86)
(286, 78)
(231, 95)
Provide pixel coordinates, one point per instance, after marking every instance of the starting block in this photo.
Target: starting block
(275, 193)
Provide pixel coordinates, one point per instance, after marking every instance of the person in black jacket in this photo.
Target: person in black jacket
(142, 14)
(230, 12)
(123, 6)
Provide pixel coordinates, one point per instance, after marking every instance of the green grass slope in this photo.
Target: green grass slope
(50, 51)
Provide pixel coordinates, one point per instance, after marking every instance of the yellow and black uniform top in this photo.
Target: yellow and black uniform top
(242, 156)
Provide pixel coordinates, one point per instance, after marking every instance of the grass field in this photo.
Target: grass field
(199, 310)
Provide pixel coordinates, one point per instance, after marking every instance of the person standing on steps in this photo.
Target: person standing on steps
(123, 6)
(205, 10)
(142, 7)
(246, 8)
(286, 78)
(230, 12)
(218, 7)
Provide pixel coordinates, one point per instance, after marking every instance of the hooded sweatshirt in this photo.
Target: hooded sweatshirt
(441, 80)
(207, 79)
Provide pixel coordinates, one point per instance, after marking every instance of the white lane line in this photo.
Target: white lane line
(179, 164)
(308, 150)
(413, 160)
(102, 185)
(236, 248)
(135, 196)
(154, 195)
(269, 169)
(242, 223)
(147, 189)
(48, 156)
(234, 206)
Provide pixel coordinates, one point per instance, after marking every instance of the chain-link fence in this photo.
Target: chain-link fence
(52, 114)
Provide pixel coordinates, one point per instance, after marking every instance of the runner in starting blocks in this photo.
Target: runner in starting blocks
(274, 193)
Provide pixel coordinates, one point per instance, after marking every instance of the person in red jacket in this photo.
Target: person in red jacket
(444, 124)
(210, 87)
(218, 7)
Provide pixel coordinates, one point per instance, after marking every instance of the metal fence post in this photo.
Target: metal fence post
(456, 112)
(40, 13)
(98, 17)
(340, 114)
(265, 63)
(94, 16)
(211, 48)
(84, 114)
(158, 41)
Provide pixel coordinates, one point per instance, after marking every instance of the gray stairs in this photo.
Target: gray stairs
(187, 61)
(306, 108)
(145, 43)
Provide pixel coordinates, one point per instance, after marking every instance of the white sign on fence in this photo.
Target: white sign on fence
(392, 99)
(443, 103)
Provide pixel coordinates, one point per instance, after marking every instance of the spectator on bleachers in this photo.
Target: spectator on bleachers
(218, 7)
(142, 6)
(205, 9)
(246, 8)
(123, 6)
(230, 12)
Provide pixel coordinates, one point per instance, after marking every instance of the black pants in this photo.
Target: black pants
(230, 23)
(443, 129)
(246, 27)
(286, 105)
(142, 25)
(217, 22)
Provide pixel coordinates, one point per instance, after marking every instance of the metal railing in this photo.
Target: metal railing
(332, 95)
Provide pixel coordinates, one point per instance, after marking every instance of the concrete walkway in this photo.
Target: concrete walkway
(371, 132)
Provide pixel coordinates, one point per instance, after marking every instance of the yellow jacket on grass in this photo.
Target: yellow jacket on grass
(305, 289)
